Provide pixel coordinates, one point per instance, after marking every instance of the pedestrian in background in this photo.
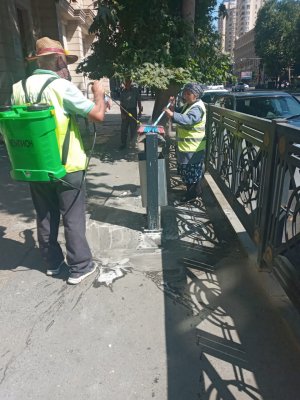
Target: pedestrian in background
(190, 139)
(66, 197)
(130, 100)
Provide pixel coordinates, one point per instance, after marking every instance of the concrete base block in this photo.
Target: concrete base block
(150, 239)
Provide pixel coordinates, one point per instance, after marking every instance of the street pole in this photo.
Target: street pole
(152, 182)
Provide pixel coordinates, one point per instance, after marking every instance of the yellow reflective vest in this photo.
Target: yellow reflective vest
(191, 139)
(53, 95)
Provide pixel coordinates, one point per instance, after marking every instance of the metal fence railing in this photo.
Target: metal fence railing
(256, 164)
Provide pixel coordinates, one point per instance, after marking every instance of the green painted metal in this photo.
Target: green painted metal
(30, 138)
(256, 164)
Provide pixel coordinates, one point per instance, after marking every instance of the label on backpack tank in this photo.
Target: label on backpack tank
(21, 143)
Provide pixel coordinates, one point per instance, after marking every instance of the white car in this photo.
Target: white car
(209, 95)
(215, 87)
(240, 87)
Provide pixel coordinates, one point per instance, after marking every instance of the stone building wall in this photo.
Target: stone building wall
(245, 58)
(22, 22)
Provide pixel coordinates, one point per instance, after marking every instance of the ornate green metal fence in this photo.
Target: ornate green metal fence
(256, 164)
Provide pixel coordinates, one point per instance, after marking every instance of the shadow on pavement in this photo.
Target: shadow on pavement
(15, 197)
(224, 338)
(19, 255)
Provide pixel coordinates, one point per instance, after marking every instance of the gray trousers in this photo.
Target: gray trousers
(128, 122)
(53, 200)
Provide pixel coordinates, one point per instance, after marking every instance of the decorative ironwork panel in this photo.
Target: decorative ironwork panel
(237, 153)
(284, 226)
(256, 164)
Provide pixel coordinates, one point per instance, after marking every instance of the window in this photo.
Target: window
(225, 102)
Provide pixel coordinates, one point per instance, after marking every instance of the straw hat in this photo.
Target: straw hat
(46, 46)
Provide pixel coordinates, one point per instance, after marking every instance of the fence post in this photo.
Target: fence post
(208, 136)
(262, 236)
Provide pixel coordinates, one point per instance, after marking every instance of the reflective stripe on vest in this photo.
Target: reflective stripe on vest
(192, 139)
(53, 95)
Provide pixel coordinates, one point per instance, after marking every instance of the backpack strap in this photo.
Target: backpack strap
(66, 143)
(48, 81)
(39, 96)
(25, 90)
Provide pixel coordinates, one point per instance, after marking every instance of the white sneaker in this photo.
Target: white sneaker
(77, 277)
(55, 271)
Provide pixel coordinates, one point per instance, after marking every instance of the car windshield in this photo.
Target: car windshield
(210, 95)
(269, 107)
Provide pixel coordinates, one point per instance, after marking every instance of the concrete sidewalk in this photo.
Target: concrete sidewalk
(190, 320)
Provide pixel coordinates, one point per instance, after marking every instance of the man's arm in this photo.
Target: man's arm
(97, 113)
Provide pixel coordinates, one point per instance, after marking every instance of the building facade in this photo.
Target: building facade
(22, 22)
(247, 66)
(237, 34)
(246, 15)
(227, 27)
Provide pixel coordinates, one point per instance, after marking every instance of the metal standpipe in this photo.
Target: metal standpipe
(152, 181)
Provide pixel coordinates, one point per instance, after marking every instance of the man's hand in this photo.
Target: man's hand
(168, 112)
(141, 109)
(123, 114)
(97, 113)
(97, 88)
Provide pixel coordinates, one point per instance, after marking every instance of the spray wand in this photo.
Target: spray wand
(161, 115)
(124, 109)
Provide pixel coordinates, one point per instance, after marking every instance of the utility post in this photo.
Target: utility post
(152, 182)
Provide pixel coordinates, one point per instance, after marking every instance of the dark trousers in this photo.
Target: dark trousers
(53, 200)
(128, 122)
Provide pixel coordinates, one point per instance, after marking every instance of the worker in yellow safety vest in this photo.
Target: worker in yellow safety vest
(190, 139)
(64, 198)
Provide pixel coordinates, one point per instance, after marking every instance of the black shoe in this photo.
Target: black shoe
(56, 270)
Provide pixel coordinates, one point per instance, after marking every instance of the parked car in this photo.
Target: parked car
(179, 102)
(209, 95)
(214, 87)
(263, 104)
(296, 95)
(240, 87)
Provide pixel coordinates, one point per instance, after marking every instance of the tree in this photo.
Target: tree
(159, 42)
(188, 11)
(222, 12)
(275, 38)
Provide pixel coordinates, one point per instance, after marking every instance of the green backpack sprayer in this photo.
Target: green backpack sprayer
(29, 132)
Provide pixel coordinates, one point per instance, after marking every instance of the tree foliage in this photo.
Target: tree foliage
(222, 11)
(276, 38)
(150, 40)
